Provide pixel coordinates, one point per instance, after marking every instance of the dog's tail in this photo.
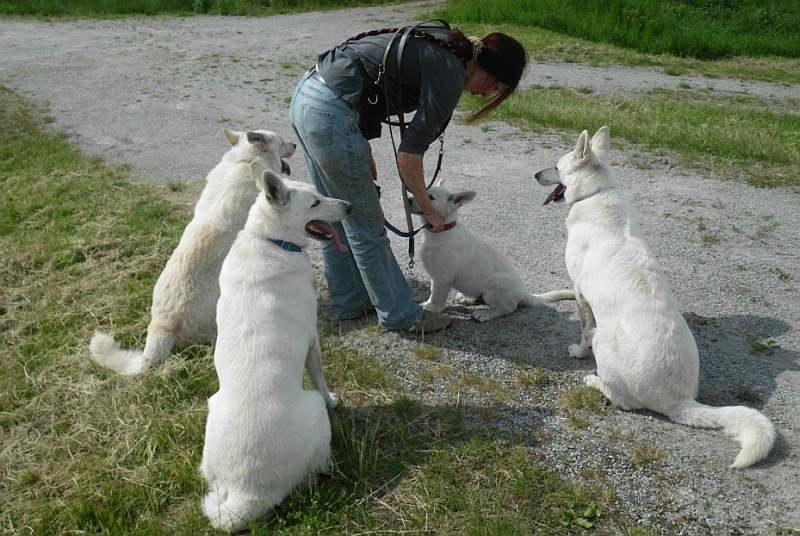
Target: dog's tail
(106, 352)
(549, 297)
(754, 432)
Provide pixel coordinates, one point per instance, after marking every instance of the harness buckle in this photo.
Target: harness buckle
(381, 69)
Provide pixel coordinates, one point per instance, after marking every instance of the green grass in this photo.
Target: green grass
(426, 352)
(548, 46)
(104, 8)
(580, 403)
(86, 451)
(704, 29)
(645, 455)
(721, 136)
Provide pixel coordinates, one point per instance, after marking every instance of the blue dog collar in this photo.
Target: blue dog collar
(288, 246)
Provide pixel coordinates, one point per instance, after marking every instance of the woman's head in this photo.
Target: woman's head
(496, 69)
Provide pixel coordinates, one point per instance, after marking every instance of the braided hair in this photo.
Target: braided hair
(456, 42)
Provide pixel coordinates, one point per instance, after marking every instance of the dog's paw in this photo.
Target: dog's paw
(331, 400)
(579, 352)
(428, 306)
(484, 315)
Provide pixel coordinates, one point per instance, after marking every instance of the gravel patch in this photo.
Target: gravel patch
(154, 93)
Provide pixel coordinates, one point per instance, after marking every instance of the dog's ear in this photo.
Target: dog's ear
(274, 190)
(601, 143)
(231, 135)
(582, 149)
(462, 198)
(256, 138)
(285, 169)
(257, 169)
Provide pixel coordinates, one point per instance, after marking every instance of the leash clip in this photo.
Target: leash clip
(381, 69)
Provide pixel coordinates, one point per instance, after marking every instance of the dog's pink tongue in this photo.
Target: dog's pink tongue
(336, 241)
(556, 195)
(334, 236)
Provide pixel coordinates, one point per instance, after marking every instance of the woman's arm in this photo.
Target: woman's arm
(411, 171)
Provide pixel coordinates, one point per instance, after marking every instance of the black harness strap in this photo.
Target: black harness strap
(404, 33)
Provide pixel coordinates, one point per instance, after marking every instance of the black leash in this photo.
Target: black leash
(401, 124)
(403, 33)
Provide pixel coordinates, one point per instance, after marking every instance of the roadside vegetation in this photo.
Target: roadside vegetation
(727, 137)
(702, 29)
(548, 46)
(102, 8)
(86, 451)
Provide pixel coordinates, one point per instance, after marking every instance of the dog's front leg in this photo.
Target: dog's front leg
(314, 367)
(438, 298)
(586, 317)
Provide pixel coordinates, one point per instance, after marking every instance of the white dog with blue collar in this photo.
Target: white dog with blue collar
(265, 434)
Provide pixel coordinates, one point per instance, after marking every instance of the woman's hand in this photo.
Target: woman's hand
(410, 167)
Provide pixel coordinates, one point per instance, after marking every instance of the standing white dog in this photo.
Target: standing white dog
(457, 259)
(265, 434)
(646, 356)
(185, 295)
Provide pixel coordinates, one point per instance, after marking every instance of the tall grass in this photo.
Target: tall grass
(94, 8)
(704, 29)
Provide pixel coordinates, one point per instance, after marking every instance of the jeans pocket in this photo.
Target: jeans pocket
(318, 125)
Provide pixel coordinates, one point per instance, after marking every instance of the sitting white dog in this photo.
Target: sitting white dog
(185, 295)
(646, 355)
(265, 434)
(457, 259)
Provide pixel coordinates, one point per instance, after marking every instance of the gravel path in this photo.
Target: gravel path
(154, 93)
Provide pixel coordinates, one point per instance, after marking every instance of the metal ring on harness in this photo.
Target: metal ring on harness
(373, 99)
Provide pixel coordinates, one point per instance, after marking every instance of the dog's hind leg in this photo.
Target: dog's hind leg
(500, 304)
(588, 324)
(159, 345)
(314, 367)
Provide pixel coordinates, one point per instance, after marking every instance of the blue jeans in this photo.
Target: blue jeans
(338, 161)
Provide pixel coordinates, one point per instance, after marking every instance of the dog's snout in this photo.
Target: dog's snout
(536, 175)
(348, 208)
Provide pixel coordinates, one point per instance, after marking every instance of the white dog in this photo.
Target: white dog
(185, 295)
(646, 356)
(265, 434)
(456, 259)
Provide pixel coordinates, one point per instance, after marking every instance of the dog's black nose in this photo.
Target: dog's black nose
(536, 175)
(349, 208)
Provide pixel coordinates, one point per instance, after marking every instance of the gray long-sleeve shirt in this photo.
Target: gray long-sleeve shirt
(432, 80)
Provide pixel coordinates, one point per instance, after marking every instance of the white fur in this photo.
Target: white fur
(457, 259)
(185, 295)
(265, 434)
(646, 355)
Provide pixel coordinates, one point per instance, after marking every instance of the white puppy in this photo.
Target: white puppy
(265, 434)
(646, 356)
(457, 259)
(185, 295)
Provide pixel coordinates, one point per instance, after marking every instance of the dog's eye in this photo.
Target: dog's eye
(431, 197)
(315, 203)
